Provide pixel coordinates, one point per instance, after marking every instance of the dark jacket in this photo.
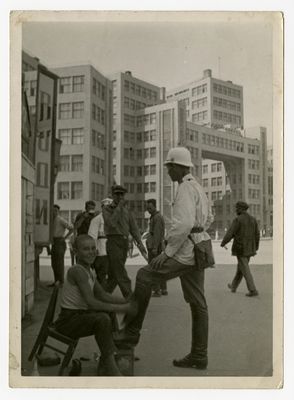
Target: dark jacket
(245, 232)
(155, 238)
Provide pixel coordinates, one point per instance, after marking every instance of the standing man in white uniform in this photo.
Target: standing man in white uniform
(191, 216)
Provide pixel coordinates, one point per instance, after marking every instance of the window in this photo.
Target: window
(45, 106)
(42, 174)
(152, 152)
(205, 169)
(78, 110)
(139, 154)
(213, 181)
(77, 190)
(213, 196)
(65, 84)
(43, 142)
(146, 187)
(78, 136)
(219, 166)
(77, 162)
(219, 181)
(153, 135)
(65, 136)
(63, 190)
(146, 170)
(139, 187)
(146, 153)
(64, 110)
(64, 163)
(205, 182)
(152, 187)
(78, 83)
(152, 169)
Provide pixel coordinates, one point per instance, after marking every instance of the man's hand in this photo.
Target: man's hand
(154, 252)
(158, 261)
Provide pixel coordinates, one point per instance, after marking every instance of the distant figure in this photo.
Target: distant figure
(85, 306)
(60, 226)
(96, 231)
(155, 242)
(83, 219)
(71, 248)
(245, 232)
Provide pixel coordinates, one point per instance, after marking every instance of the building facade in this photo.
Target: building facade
(84, 125)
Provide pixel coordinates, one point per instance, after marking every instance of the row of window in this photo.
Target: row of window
(129, 153)
(98, 165)
(253, 149)
(71, 136)
(132, 104)
(227, 117)
(198, 90)
(194, 152)
(146, 119)
(200, 116)
(214, 167)
(254, 209)
(147, 187)
(139, 90)
(71, 110)
(98, 114)
(192, 135)
(140, 171)
(231, 105)
(253, 193)
(217, 141)
(214, 181)
(199, 103)
(97, 191)
(253, 164)
(255, 179)
(70, 84)
(137, 205)
(31, 88)
(71, 163)
(99, 89)
(69, 190)
(228, 91)
(98, 139)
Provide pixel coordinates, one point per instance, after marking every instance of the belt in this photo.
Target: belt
(197, 229)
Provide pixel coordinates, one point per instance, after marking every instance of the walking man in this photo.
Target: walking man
(96, 231)
(59, 246)
(155, 242)
(119, 222)
(245, 232)
(191, 216)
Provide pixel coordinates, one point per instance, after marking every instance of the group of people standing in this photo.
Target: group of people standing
(184, 251)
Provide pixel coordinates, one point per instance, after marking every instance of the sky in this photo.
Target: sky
(168, 53)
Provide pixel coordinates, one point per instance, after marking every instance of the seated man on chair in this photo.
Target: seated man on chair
(85, 306)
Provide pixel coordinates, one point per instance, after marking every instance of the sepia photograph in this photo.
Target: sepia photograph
(148, 174)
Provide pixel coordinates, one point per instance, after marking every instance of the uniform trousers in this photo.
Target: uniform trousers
(101, 266)
(192, 282)
(117, 250)
(159, 286)
(57, 258)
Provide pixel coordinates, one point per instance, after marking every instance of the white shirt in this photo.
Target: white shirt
(96, 231)
(190, 209)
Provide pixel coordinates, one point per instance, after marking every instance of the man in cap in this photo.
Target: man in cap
(119, 222)
(191, 216)
(96, 231)
(245, 232)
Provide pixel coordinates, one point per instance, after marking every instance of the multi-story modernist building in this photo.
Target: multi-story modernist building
(129, 96)
(84, 124)
(212, 102)
(270, 189)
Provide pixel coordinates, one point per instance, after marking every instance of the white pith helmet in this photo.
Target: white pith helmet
(180, 156)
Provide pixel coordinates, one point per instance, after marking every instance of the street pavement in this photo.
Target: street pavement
(240, 328)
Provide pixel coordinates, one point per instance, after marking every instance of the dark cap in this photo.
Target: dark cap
(241, 205)
(118, 189)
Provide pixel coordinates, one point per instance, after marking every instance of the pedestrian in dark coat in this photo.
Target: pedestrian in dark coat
(245, 232)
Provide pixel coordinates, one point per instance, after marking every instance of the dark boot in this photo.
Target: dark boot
(197, 358)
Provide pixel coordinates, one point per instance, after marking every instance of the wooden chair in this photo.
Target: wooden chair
(48, 331)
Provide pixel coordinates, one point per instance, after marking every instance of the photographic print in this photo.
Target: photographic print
(147, 178)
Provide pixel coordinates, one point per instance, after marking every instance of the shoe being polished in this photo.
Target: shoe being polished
(190, 362)
(252, 293)
(126, 337)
